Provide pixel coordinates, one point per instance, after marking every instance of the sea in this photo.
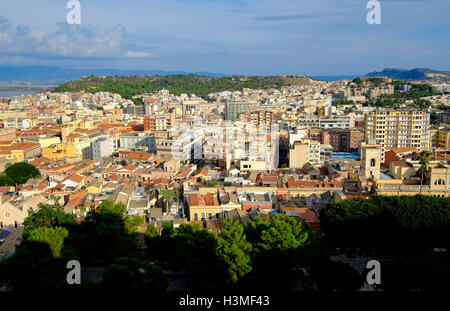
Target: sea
(336, 78)
(15, 93)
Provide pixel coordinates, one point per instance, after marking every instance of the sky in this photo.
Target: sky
(262, 37)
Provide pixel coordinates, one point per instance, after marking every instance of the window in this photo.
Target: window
(195, 216)
(209, 215)
(203, 216)
(372, 162)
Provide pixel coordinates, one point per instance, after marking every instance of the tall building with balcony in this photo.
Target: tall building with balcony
(398, 129)
(234, 108)
(261, 118)
(161, 122)
(342, 140)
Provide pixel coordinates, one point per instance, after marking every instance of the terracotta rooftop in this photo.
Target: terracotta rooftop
(404, 150)
(400, 163)
(75, 178)
(203, 200)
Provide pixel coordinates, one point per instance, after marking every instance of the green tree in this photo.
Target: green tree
(54, 237)
(48, 216)
(5, 180)
(33, 267)
(235, 250)
(336, 276)
(409, 222)
(424, 159)
(105, 234)
(154, 278)
(151, 238)
(434, 117)
(193, 249)
(20, 173)
(127, 274)
(277, 245)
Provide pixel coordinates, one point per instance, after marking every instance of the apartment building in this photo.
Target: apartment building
(19, 151)
(135, 110)
(261, 118)
(82, 141)
(342, 140)
(103, 147)
(440, 138)
(160, 122)
(371, 92)
(58, 151)
(43, 140)
(234, 108)
(17, 123)
(331, 122)
(8, 134)
(180, 147)
(304, 151)
(398, 129)
(201, 207)
(133, 140)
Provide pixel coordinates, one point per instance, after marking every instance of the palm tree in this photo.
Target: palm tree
(424, 159)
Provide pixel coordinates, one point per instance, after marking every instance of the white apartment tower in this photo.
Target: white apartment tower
(398, 129)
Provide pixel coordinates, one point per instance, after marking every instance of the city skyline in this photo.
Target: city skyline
(228, 37)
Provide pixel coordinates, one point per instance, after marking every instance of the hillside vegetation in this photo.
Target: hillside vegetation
(413, 74)
(129, 86)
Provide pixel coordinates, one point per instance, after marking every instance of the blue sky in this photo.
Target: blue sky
(317, 37)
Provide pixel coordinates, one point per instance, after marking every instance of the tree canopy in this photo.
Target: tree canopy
(235, 250)
(18, 173)
(128, 86)
(393, 221)
(127, 274)
(47, 216)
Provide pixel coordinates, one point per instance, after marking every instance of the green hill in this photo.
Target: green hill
(413, 74)
(129, 86)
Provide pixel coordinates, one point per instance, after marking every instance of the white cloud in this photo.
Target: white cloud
(67, 41)
(133, 54)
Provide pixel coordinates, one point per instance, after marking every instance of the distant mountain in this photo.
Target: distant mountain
(413, 74)
(61, 75)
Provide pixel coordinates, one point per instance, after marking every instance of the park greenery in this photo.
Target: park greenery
(415, 94)
(342, 102)
(129, 86)
(52, 237)
(374, 82)
(403, 231)
(394, 222)
(262, 253)
(18, 173)
(256, 254)
(125, 275)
